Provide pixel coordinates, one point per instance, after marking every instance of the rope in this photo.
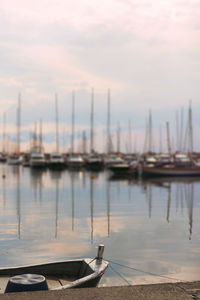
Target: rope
(92, 260)
(149, 273)
(120, 275)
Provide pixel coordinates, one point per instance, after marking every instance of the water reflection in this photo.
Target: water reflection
(37, 178)
(56, 207)
(148, 224)
(168, 203)
(108, 205)
(72, 174)
(184, 192)
(18, 203)
(92, 207)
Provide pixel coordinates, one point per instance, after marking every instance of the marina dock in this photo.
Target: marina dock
(189, 290)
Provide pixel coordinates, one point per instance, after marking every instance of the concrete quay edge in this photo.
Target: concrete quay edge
(171, 291)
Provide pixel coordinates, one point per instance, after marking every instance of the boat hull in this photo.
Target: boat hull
(38, 165)
(56, 165)
(61, 275)
(94, 165)
(170, 171)
(122, 170)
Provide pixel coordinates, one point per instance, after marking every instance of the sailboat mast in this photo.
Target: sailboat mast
(168, 138)
(160, 140)
(190, 128)
(92, 122)
(73, 117)
(108, 124)
(177, 132)
(40, 138)
(57, 130)
(18, 122)
(146, 137)
(118, 138)
(84, 141)
(150, 131)
(181, 129)
(129, 137)
(35, 136)
(4, 132)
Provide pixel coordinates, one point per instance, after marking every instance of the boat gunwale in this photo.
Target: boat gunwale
(97, 268)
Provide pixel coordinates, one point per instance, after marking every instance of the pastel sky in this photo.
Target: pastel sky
(145, 51)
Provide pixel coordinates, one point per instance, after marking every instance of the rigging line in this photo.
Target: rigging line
(150, 273)
(92, 260)
(120, 275)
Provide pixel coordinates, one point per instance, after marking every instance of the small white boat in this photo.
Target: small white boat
(182, 159)
(59, 275)
(37, 160)
(150, 160)
(14, 159)
(163, 159)
(75, 161)
(56, 161)
(94, 161)
(3, 157)
(113, 160)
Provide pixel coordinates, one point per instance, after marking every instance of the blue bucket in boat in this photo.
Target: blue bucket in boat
(25, 283)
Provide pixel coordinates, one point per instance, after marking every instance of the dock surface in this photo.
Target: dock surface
(190, 290)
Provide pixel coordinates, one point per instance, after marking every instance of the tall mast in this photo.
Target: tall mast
(92, 122)
(18, 122)
(177, 132)
(146, 137)
(181, 129)
(35, 136)
(168, 138)
(190, 127)
(4, 132)
(150, 131)
(160, 139)
(118, 138)
(64, 140)
(129, 137)
(40, 136)
(84, 141)
(108, 124)
(57, 133)
(73, 117)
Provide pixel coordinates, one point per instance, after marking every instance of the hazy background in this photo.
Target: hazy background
(146, 52)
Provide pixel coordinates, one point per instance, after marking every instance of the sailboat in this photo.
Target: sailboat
(37, 156)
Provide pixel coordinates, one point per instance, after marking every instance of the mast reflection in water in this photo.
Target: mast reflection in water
(151, 225)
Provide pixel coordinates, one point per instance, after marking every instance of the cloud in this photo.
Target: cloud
(147, 52)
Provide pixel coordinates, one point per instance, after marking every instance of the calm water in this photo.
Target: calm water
(152, 226)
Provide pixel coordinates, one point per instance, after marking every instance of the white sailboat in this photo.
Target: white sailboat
(37, 156)
(37, 160)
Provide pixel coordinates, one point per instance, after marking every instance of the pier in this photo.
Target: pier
(172, 291)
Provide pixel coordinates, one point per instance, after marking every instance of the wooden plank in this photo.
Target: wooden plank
(66, 280)
(53, 282)
(3, 283)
